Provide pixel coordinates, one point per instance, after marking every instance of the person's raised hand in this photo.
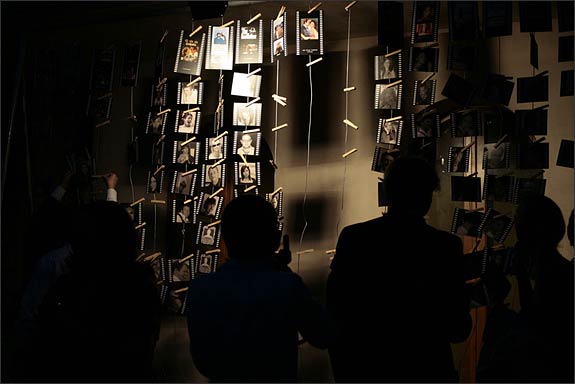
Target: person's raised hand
(111, 180)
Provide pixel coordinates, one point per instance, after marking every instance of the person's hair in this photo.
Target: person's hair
(180, 266)
(208, 201)
(245, 217)
(539, 221)
(409, 183)
(242, 170)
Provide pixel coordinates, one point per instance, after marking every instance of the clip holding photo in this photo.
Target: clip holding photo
(314, 62)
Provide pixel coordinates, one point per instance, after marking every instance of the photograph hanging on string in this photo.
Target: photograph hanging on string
(424, 92)
(425, 125)
(220, 52)
(247, 173)
(155, 182)
(465, 188)
(423, 59)
(183, 184)
(309, 33)
(389, 132)
(180, 271)
(209, 207)
(207, 263)
(190, 54)
(249, 44)
(250, 116)
(247, 144)
(499, 188)
(131, 66)
(180, 212)
(156, 124)
(388, 67)
(208, 235)
(213, 176)
(279, 40)
(387, 97)
(188, 122)
(425, 21)
(244, 85)
(458, 159)
(190, 94)
(465, 123)
(187, 154)
(159, 95)
(466, 222)
(215, 148)
(496, 157)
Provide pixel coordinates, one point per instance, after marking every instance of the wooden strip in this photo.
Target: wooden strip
(254, 18)
(349, 153)
(138, 201)
(314, 8)
(216, 192)
(347, 7)
(198, 29)
(313, 62)
(279, 127)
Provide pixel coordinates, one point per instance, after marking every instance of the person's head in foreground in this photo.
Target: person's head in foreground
(539, 223)
(250, 228)
(409, 184)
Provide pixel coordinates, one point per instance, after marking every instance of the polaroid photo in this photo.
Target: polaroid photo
(424, 93)
(180, 272)
(388, 67)
(463, 20)
(565, 14)
(533, 156)
(155, 182)
(181, 210)
(567, 81)
(187, 154)
(309, 33)
(465, 188)
(565, 155)
(102, 74)
(188, 122)
(425, 125)
(497, 18)
(183, 184)
(279, 37)
(531, 121)
(276, 200)
(135, 212)
(424, 147)
(458, 89)
(462, 58)
(528, 186)
(213, 176)
(497, 89)
(209, 207)
(565, 49)
(465, 123)
(535, 16)
(207, 263)
(250, 116)
(156, 124)
(250, 43)
(382, 198)
(382, 157)
(532, 89)
(388, 97)
(458, 159)
(242, 85)
(423, 59)
(158, 153)
(425, 21)
(498, 227)
(159, 267)
(208, 235)
(496, 157)
(159, 95)
(220, 52)
(190, 94)
(247, 174)
(190, 55)
(466, 222)
(389, 132)
(247, 144)
(215, 149)
(131, 65)
(499, 188)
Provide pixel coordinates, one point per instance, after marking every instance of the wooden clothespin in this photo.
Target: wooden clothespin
(212, 251)
(214, 224)
(181, 290)
(306, 251)
(164, 36)
(473, 174)
(244, 158)
(313, 62)
(158, 201)
(141, 200)
(164, 111)
(254, 18)
(281, 12)
(250, 188)
(347, 122)
(194, 81)
(227, 24)
(189, 172)
(393, 119)
(217, 163)
(349, 89)
(253, 72)
(279, 127)
(314, 8)
(347, 7)
(186, 258)
(187, 141)
(392, 53)
(140, 226)
(216, 192)
(501, 140)
(218, 137)
(252, 102)
(198, 29)
(103, 123)
(276, 191)
(159, 169)
(349, 153)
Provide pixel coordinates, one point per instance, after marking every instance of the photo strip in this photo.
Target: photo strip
(207, 263)
(209, 207)
(220, 52)
(458, 159)
(213, 176)
(190, 54)
(215, 149)
(423, 59)
(309, 33)
(156, 124)
(465, 123)
(425, 22)
(249, 45)
(190, 94)
(247, 144)
(389, 131)
(424, 92)
(187, 154)
(388, 67)
(184, 183)
(242, 85)
(425, 125)
(208, 235)
(387, 97)
(188, 122)
(155, 182)
(247, 174)
(279, 37)
(250, 116)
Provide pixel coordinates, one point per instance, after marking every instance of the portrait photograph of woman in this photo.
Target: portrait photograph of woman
(387, 67)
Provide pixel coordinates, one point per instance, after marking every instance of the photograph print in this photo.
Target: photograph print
(382, 157)
(247, 173)
(388, 97)
(389, 132)
(242, 85)
(309, 33)
(425, 125)
(181, 213)
(159, 95)
(278, 33)
(220, 53)
(249, 116)
(208, 235)
(178, 271)
(425, 21)
(466, 223)
(463, 20)
(276, 201)
(207, 263)
(464, 188)
(213, 176)
(190, 54)
(187, 122)
(465, 123)
(155, 182)
(131, 65)
(183, 184)
(249, 45)
(156, 124)
(190, 94)
(497, 18)
(424, 93)
(496, 157)
(423, 59)
(209, 206)
(458, 159)
(247, 144)
(498, 188)
(186, 154)
(388, 67)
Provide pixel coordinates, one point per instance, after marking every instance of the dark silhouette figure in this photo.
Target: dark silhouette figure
(540, 346)
(244, 319)
(396, 289)
(100, 322)
(571, 228)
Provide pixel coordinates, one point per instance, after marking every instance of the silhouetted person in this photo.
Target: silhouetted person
(101, 320)
(244, 319)
(396, 288)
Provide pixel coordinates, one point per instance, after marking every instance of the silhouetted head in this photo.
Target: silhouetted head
(104, 235)
(539, 222)
(409, 184)
(250, 227)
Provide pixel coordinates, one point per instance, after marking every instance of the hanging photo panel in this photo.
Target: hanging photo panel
(499, 188)
(458, 159)
(466, 223)
(187, 154)
(187, 122)
(155, 182)
(190, 54)
(244, 85)
(158, 153)
(207, 262)
(181, 210)
(220, 52)
(279, 37)
(461, 58)
(382, 157)
(159, 95)
(190, 94)
(276, 201)
(425, 21)
(464, 188)
(389, 132)
(247, 174)
(156, 124)
(465, 123)
(247, 115)
(247, 144)
(181, 271)
(215, 149)
(424, 93)
(309, 33)
(496, 157)
(388, 67)
(102, 76)
(525, 187)
(423, 59)
(425, 125)
(213, 176)
(209, 207)
(184, 183)
(387, 97)
(531, 122)
(250, 43)
(208, 235)
(533, 156)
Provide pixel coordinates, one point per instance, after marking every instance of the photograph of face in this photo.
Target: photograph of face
(220, 37)
(132, 213)
(424, 92)
(465, 124)
(154, 183)
(423, 59)
(209, 205)
(189, 94)
(242, 85)
(208, 236)
(426, 126)
(180, 271)
(279, 28)
(424, 20)
(458, 159)
(156, 123)
(205, 264)
(245, 145)
(309, 29)
(279, 47)
(214, 176)
(247, 173)
(388, 97)
(187, 122)
(186, 154)
(183, 184)
(158, 95)
(389, 131)
(382, 158)
(247, 116)
(495, 158)
(158, 155)
(215, 148)
(183, 215)
(386, 67)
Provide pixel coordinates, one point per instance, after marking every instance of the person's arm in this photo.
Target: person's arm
(111, 182)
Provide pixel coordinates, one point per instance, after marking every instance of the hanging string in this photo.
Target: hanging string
(28, 167)
(276, 113)
(131, 141)
(155, 223)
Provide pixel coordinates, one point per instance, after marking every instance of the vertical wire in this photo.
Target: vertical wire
(28, 163)
(276, 113)
(132, 141)
(155, 223)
